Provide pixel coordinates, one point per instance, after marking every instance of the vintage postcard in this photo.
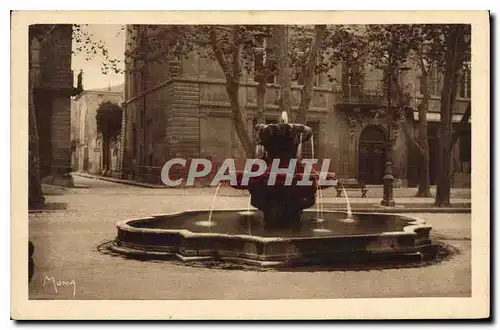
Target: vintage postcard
(250, 165)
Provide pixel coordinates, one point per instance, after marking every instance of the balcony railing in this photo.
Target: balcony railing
(359, 95)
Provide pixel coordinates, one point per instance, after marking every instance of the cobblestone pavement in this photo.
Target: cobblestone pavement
(66, 244)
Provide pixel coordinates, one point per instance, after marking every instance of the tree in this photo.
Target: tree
(265, 65)
(421, 44)
(109, 122)
(35, 194)
(236, 49)
(281, 33)
(428, 52)
(457, 45)
(309, 71)
(316, 50)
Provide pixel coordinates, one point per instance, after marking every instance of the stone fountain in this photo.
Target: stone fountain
(281, 231)
(281, 204)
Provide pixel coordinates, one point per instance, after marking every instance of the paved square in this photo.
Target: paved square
(66, 244)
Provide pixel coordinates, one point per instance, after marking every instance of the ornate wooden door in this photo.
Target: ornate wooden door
(371, 155)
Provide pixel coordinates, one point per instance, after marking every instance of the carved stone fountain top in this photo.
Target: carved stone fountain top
(266, 133)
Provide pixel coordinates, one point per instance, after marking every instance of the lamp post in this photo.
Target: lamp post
(388, 179)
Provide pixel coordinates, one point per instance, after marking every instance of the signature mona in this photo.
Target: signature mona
(58, 284)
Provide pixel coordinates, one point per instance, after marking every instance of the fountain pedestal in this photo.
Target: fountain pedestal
(282, 206)
(282, 203)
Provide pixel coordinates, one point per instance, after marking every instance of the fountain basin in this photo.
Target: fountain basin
(239, 236)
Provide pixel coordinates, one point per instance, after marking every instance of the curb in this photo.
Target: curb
(121, 181)
(402, 208)
(406, 210)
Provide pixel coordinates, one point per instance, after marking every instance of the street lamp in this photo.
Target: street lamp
(388, 179)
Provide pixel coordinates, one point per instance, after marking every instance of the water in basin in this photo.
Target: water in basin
(252, 223)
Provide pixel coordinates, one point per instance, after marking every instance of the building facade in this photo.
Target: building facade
(51, 79)
(180, 108)
(86, 141)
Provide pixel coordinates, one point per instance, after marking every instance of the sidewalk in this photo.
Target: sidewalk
(403, 197)
(122, 181)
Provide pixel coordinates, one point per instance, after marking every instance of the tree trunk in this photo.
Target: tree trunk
(309, 74)
(261, 100)
(424, 174)
(232, 72)
(284, 70)
(422, 145)
(35, 194)
(238, 119)
(454, 60)
(36, 198)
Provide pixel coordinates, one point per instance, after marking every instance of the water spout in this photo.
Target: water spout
(349, 218)
(248, 205)
(319, 206)
(284, 117)
(320, 219)
(299, 148)
(312, 146)
(321, 202)
(259, 151)
(209, 223)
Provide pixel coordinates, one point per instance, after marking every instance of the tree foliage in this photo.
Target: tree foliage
(312, 50)
(426, 45)
(109, 120)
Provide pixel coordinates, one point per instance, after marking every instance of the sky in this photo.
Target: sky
(114, 39)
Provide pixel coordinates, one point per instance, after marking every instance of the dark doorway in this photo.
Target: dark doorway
(86, 159)
(371, 155)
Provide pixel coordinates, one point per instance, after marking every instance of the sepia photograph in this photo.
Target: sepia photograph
(243, 165)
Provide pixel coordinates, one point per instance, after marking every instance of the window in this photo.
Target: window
(299, 77)
(465, 84)
(434, 82)
(307, 151)
(352, 79)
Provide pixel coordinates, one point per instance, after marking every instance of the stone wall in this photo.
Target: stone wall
(53, 89)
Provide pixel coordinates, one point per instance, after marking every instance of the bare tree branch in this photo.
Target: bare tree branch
(218, 52)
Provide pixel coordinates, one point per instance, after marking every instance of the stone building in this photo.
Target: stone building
(87, 142)
(180, 108)
(51, 79)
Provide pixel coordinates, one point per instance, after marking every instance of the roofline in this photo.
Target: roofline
(92, 91)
